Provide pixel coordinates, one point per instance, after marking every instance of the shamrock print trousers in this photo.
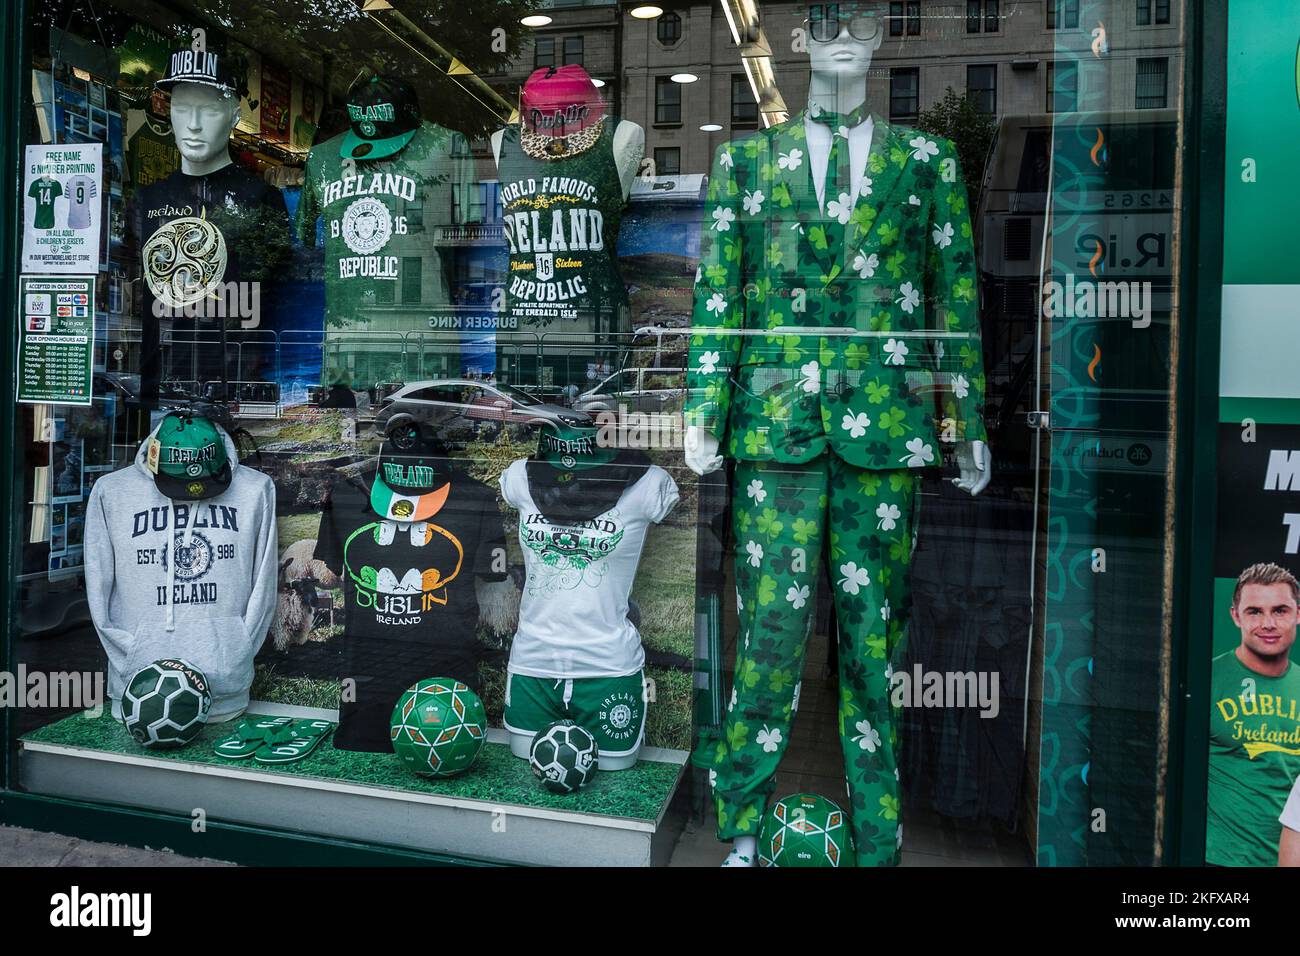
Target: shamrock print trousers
(784, 516)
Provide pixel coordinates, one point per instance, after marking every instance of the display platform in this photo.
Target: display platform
(495, 812)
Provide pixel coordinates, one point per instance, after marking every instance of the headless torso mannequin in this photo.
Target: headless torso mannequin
(839, 67)
(629, 147)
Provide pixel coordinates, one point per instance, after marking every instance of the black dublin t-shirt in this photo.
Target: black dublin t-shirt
(235, 230)
(410, 608)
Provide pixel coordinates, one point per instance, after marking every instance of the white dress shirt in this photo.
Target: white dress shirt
(819, 152)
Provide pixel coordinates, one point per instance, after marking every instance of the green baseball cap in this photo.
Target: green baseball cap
(384, 113)
(187, 456)
(568, 448)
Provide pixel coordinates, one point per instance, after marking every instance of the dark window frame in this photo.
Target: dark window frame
(540, 58)
(988, 70)
(1062, 14)
(581, 50)
(1052, 102)
(659, 164)
(897, 73)
(1148, 101)
(744, 109)
(670, 22)
(664, 106)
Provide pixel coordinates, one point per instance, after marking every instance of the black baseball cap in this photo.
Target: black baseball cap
(408, 486)
(207, 68)
(384, 113)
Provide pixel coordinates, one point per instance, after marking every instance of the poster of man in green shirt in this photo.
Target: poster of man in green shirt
(1254, 722)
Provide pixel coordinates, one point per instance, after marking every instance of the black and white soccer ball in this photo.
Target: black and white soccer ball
(166, 704)
(564, 756)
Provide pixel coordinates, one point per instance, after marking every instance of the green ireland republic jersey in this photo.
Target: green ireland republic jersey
(45, 191)
(1254, 761)
(561, 219)
(385, 222)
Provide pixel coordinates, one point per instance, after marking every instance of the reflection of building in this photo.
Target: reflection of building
(1005, 57)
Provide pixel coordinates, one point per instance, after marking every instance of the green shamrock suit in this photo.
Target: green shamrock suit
(833, 350)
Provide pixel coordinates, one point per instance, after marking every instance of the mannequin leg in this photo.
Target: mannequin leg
(871, 521)
(779, 521)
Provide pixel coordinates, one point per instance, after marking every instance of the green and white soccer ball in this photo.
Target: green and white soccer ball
(166, 704)
(438, 727)
(804, 830)
(564, 756)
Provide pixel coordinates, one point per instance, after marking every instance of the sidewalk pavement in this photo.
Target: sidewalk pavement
(32, 848)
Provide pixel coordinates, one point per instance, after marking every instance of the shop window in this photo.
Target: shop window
(1152, 92)
(668, 101)
(668, 28)
(982, 86)
(744, 111)
(904, 93)
(668, 160)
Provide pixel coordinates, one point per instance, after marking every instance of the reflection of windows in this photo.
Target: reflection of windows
(668, 101)
(385, 292)
(414, 213)
(981, 15)
(1152, 83)
(1062, 88)
(572, 50)
(982, 86)
(1144, 12)
(905, 15)
(744, 111)
(669, 28)
(543, 52)
(904, 92)
(412, 274)
(668, 161)
(1063, 14)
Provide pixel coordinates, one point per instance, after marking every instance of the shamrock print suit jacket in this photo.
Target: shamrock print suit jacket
(854, 329)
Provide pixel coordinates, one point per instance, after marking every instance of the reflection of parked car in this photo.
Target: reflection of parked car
(637, 390)
(452, 412)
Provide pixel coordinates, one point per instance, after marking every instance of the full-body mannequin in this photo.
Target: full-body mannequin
(839, 68)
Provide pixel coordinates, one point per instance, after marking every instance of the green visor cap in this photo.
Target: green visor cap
(573, 447)
(188, 458)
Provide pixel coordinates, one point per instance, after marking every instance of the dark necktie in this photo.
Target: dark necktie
(837, 163)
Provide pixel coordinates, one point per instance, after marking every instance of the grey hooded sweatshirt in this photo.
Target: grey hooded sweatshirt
(212, 607)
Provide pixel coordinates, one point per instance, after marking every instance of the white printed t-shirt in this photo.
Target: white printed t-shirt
(573, 614)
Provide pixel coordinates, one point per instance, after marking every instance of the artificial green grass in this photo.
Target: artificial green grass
(498, 776)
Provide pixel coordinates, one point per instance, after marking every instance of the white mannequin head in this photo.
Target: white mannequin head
(202, 120)
(840, 64)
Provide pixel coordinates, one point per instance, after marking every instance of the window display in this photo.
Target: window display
(697, 435)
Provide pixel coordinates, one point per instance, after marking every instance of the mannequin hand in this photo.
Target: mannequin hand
(975, 461)
(701, 450)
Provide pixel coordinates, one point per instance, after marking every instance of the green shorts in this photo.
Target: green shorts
(611, 709)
